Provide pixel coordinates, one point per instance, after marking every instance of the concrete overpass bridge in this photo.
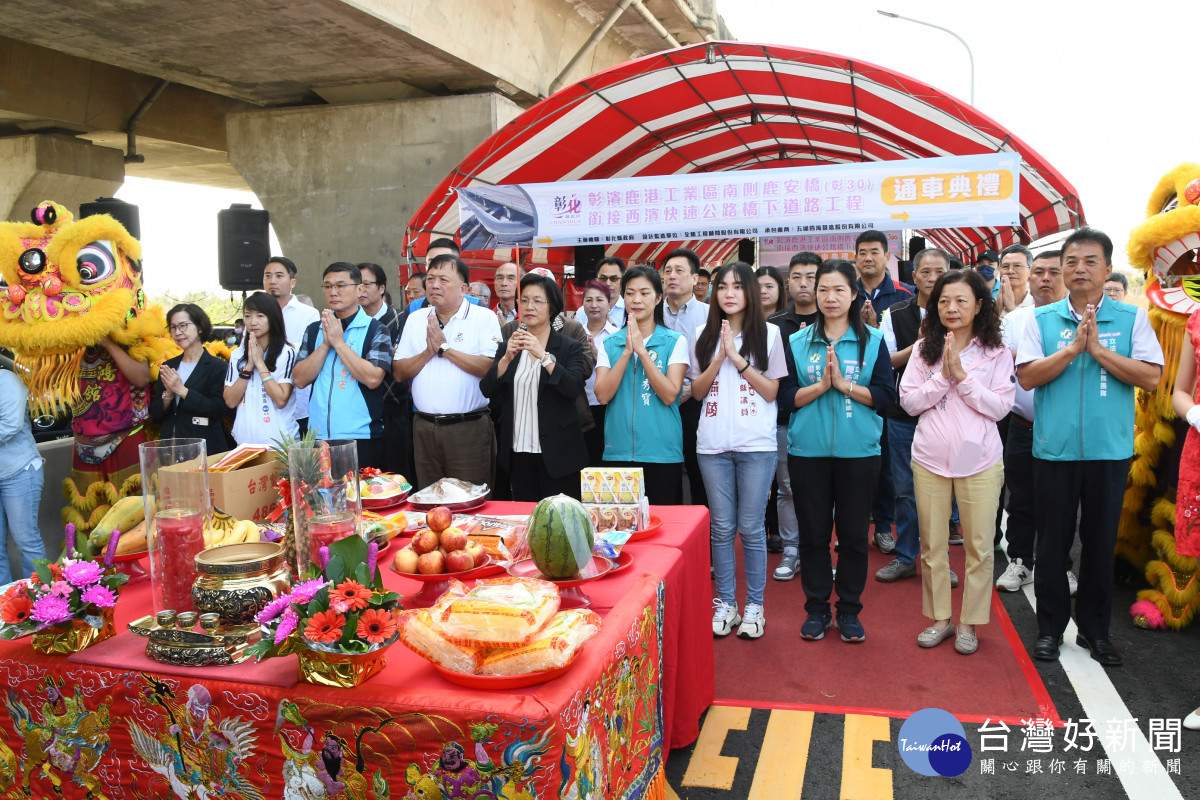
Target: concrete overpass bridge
(340, 116)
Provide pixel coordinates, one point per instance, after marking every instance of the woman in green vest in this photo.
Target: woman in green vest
(639, 374)
(839, 382)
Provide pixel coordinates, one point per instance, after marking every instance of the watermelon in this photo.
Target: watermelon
(560, 536)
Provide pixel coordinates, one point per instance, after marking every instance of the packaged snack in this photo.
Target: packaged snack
(554, 646)
(419, 633)
(500, 536)
(381, 529)
(498, 612)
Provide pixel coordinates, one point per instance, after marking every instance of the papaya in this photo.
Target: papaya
(124, 514)
(560, 536)
(132, 540)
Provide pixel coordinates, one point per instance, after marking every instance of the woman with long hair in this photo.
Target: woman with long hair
(597, 303)
(736, 366)
(639, 375)
(840, 383)
(536, 377)
(959, 382)
(187, 399)
(772, 290)
(258, 383)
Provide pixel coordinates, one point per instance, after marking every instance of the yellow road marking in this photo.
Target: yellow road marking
(707, 767)
(779, 774)
(860, 780)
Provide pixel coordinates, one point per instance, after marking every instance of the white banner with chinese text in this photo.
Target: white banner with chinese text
(951, 192)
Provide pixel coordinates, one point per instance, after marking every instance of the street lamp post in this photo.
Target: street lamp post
(970, 56)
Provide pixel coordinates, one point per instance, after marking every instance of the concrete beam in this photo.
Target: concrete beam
(342, 182)
(60, 168)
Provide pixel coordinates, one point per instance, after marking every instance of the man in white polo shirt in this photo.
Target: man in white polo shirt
(444, 350)
(279, 281)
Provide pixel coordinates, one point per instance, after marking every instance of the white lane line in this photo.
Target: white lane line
(1102, 703)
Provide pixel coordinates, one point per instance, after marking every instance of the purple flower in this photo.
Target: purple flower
(287, 625)
(61, 589)
(49, 608)
(273, 609)
(372, 558)
(100, 595)
(303, 593)
(111, 551)
(323, 554)
(83, 573)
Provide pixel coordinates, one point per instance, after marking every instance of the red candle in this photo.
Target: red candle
(179, 537)
(326, 529)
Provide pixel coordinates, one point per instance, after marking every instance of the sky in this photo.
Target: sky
(1096, 89)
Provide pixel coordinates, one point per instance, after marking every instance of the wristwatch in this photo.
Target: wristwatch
(547, 359)
(442, 348)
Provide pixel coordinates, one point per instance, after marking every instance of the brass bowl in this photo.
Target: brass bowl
(236, 581)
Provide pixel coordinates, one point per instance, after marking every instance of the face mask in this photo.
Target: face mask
(231, 340)
(986, 271)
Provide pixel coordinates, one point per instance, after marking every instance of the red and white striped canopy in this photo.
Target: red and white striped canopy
(734, 106)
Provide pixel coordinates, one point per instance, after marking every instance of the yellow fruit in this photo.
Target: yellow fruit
(124, 514)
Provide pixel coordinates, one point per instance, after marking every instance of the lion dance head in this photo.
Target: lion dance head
(70, 283)
(1166, 245)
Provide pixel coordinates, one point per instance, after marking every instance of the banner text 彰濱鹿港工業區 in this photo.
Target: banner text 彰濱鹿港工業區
(950, 192)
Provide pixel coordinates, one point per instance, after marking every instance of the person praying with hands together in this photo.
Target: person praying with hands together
(258, 382)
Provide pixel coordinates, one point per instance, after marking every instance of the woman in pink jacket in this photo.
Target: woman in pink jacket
(960, 381)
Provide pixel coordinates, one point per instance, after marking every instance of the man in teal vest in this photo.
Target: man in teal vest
(343, 357)
(1083, 357)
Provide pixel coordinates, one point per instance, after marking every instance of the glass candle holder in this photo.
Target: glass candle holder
(175, 493)
(325, 496)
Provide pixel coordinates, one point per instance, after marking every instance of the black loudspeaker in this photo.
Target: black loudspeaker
(915, 245)
(746, 251)
(587, 257)
(243, 247)
(122, 212)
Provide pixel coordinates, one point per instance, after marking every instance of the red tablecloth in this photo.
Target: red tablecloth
(148, 730)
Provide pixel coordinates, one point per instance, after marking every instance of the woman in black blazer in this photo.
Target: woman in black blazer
(188, 399)
(537, 377)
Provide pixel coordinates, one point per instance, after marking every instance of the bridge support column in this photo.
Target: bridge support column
(342, 181)
(41, 167)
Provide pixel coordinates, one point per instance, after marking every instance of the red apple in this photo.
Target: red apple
(459, 561)
(433, 563)
(438, 519)
(478, 552)
(406, 560)
(454, 539)
(424, 541)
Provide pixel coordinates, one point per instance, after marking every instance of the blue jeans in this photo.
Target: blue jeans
(789, 529)
(20, 496)
(738, 485)
(908, 532)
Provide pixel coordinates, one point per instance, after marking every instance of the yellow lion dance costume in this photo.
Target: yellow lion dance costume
(1164, 247)
(74, 285)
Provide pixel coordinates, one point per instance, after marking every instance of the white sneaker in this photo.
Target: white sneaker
(1073, 582)
(1015, 576)
(726, 617)
(753, 623)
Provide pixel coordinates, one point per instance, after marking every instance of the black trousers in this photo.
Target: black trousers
(595, 437)
(1018, 474)
(1002, 428)
(689, 415)
(1091, 491)
(822, 489)
(397, 442)
(370, 453)
(664, 482)
(530, 482)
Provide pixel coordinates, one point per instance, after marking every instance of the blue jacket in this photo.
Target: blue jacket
(341, 407)
(834, 426)
(887, 293)
(17, 445)
(1084, 391)
(637, 425)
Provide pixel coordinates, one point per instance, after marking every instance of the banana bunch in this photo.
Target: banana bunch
(224, 529)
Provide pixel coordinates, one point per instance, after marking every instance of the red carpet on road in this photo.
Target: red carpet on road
(888, 673)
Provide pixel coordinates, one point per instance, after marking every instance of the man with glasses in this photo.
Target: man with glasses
(1014, 279)
(506, 280)
(481, 292)
(609, 271)
(444, 350)
(279, 281)
(344, 357)
(397, 402)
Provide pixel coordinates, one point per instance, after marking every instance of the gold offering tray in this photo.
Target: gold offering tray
(191, 648)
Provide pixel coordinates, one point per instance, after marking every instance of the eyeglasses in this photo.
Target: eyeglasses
(370, 283)
(341, 287)
(181, 327)
(609, 279)
(532, 301)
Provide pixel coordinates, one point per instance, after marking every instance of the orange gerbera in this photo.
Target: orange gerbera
(352, 594)
(376, 626)
(16, 609)
(325, 626)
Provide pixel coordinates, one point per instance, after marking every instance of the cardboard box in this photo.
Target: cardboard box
(247, 492)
